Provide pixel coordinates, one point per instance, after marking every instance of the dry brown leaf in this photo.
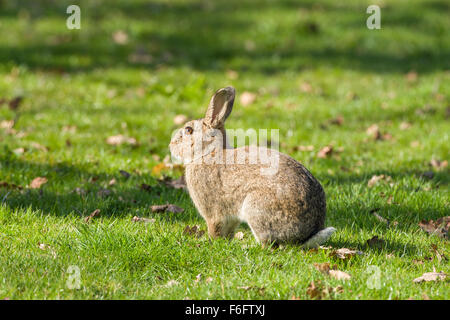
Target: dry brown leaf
(141, 219)
(232, 74)
(94, 214)
(193, 231)
(166, 208)
(145, 187)
(318, 291)
(338, 121)
(120, 37)
(375, 179)
(305, 148)
(306, 87)
(160, 168)
(405, 125)
(239, 235)
(375, 242)
(7, 185)
(179, 183)
(247, 98)
(172, 283)
(439, 227)
(439, 165)
(38, 182)
(411, 76)
(325, 152)
(102, 193)
(124, 174)
(180, 119)
(344, 253)
(7, 124)
(39, 147)
(15, 103)
(339, 275)
(431, 276)
(332, 271)
(120, 139)
(324, 267)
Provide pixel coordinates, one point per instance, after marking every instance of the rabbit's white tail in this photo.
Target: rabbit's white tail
(319, 238)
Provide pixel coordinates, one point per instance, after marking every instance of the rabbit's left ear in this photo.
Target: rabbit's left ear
(220, 107)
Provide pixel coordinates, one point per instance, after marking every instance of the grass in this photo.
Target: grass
(80, 87)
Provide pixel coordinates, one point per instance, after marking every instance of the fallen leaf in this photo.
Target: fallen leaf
(102, 193)
(247, 98)
(166, 167)
(405, 125)
(231, 74)
(375, 179)
(344, 253)
(439, 227)
(172, 283)
(198, 278)
(7, 185)
(376, 134)
(140, 219)
(15, 103)
(124, 174)
(145, 187)
(39, 147)
(193, 231)
(239, 235)
(7, 124)
(120, 37)
(439, 165)
(318, 291)
(339, 275)
(332, 271)
(120, 139)
(427, 174)
(440, 256)
(306, 87)
(324, 267)
(325, 152)
(38, 182)
(94, 214)
(375, 242)
(431, 276)
(180, 119)
(339, 120)
(166, 207)
(179, 183)
(305, 148)
(411, 76)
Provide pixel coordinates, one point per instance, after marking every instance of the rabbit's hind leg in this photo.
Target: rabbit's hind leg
(262, 221)
(223, 227)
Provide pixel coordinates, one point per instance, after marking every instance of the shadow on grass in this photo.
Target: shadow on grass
(206, 35)
(126, 198)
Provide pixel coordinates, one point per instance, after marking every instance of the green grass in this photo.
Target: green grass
(83, 78)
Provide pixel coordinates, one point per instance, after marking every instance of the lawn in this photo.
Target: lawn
(379, 98)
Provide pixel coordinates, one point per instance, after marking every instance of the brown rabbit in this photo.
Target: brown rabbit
(227, 185)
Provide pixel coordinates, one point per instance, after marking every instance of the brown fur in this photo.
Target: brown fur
(288, 206)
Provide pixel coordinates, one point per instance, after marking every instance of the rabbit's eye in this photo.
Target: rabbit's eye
(188, 130)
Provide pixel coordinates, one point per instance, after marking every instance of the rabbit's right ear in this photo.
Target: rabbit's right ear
(220, 107)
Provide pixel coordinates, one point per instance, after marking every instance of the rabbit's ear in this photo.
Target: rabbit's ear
(220, 107)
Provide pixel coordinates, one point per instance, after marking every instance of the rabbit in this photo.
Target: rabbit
(285, 206)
